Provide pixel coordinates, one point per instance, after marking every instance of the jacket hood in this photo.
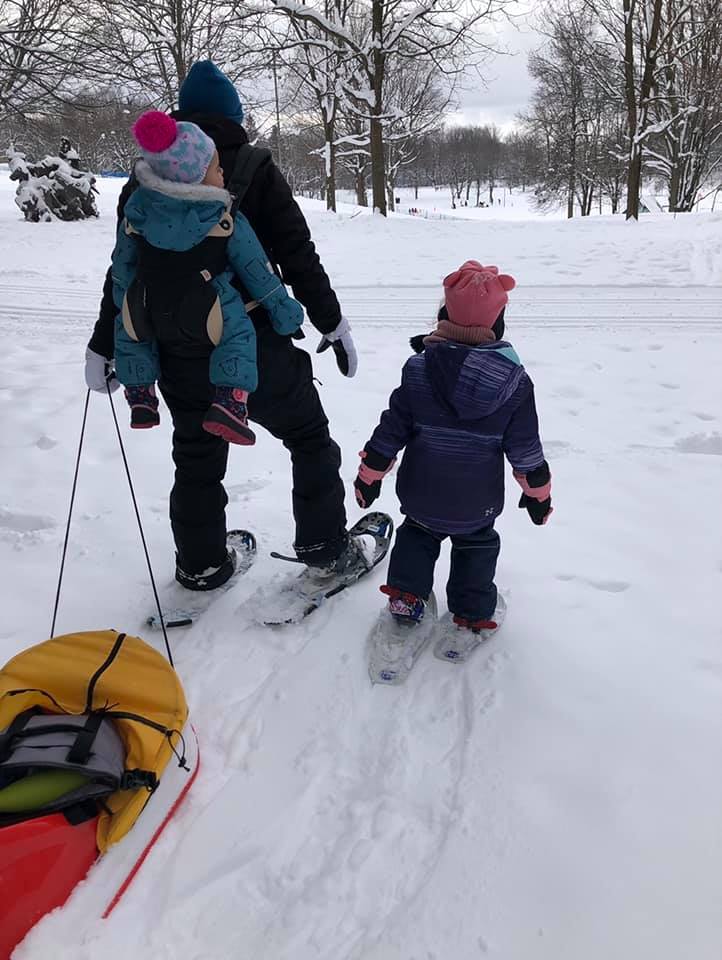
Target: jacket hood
(473, 381)
(173, 216)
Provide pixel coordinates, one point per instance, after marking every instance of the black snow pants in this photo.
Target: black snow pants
(287, 404)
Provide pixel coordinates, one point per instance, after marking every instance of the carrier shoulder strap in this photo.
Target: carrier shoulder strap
(248, 160)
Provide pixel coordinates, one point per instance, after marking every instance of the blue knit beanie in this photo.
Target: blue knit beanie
(207, 89)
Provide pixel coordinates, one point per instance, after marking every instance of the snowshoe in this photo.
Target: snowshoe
(459, 638)
(369, 541)
(181, 609)
(398, 639)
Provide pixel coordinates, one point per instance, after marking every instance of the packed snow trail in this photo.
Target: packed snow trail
(558, 796)
(552, 307)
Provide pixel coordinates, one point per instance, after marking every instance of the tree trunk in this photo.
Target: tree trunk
(634, 183)
(638, 101)
(378, 154)
(361, 196)
(572, 185)
(329, 159)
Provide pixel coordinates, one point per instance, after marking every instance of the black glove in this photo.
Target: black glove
(537, 479)
(373, 469)
(417, 343)
(539, 510)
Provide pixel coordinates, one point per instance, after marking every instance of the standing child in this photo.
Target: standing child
(178, 247)
(464, 403)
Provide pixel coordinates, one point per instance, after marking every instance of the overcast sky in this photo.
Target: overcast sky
(508, 85)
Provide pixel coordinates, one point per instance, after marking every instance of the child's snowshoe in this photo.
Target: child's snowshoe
(459, 638)
(399, 636)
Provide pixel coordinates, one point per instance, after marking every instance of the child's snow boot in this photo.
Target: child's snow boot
(228, 417)
(405, 608)
(143, 405)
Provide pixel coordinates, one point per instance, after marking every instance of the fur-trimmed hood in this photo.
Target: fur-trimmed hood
(173, 216)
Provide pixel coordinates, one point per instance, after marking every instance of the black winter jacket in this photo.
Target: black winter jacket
(279, 224)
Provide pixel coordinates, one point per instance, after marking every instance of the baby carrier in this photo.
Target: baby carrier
(171, 298)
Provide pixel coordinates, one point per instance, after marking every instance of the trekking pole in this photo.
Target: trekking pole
(137, 516)
(140, 525)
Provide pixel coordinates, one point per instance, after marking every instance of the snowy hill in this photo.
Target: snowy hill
(560, 796)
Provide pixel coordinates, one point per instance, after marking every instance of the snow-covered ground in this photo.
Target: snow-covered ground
(558, 797)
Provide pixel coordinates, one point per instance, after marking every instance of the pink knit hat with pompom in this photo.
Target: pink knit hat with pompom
(175, 150)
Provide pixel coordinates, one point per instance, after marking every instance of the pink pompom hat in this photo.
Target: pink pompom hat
(175, 150)
(474, 297)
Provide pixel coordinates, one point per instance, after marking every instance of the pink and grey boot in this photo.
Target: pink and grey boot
(227, 417)
(143, 405)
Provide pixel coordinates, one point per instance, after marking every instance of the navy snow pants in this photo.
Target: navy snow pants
(470, 591)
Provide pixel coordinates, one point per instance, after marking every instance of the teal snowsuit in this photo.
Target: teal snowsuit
(174, 216)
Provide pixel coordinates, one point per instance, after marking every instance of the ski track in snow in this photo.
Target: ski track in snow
(556, 797)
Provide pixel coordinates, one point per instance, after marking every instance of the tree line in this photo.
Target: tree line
(374, 75)
(624, 89)
(355, 92)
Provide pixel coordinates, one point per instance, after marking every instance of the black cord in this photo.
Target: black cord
(140, 525)
(70, 513)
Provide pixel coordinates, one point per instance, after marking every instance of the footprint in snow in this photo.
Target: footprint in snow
(556, 448)
(606, 586)
(24, 522)
(569, 392)
(709, 443)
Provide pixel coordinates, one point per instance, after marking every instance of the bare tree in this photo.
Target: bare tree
(152, 44)
(563, 107)
(317, 57)
(417, 101)
(636, 34)
(441, 32)
(687, 106)
(41, 46)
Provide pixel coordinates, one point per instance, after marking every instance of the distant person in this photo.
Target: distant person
(286, 402)
(465, 402)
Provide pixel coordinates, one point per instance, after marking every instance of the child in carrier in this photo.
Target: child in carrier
(464, 402)
(177, 251)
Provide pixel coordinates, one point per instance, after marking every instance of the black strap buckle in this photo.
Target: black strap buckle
(134, 779)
